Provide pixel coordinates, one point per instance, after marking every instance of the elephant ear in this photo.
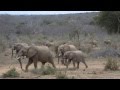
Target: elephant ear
(31, 52)
(18, 47)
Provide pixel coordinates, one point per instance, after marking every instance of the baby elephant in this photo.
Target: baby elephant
(75, 57)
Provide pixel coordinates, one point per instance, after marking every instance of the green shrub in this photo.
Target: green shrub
(36, 71)
(45, 71)
(11, 73)
(48, 71)
(111, 64)
(61, 75)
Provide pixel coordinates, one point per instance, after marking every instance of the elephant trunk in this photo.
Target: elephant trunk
(58, 55)
(12, 53)
(19, 59)
(63, 61)
(58, 59)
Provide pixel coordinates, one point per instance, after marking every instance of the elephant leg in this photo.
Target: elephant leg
(58, 59)
(63, 61)
(78, 65)
(43, 64)
(35, 63)
(23, 57)
(73, 64)
(28, 64)
(69, 61)
(52, 62)
(16, 53)
(83, 61)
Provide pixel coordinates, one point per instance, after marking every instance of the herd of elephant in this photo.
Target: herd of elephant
(66, 53)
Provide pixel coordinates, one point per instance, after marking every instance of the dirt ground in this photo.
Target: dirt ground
(95, 69)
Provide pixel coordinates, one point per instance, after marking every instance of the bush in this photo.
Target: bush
(109, 20)
(61, 75)
(46, 22)
(48, 71)
(36, 71)
(11, 73)
(111, 64)
(45, 71)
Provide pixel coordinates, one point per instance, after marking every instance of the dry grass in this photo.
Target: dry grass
(45, 71)
(61, 75)
(12, 73)
(112, 64)
(95, 70)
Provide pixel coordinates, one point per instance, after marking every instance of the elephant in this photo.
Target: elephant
(17, 47)
(75, 56)
(63, 48)
(35, 54)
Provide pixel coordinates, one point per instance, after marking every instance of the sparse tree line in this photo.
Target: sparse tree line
(32, 29)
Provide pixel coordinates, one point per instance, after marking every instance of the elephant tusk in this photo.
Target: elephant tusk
(18, 58)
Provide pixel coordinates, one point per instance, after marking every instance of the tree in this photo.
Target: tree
(110, 20)
(75, 35)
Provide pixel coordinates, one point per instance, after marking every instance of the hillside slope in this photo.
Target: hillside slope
(55, 24)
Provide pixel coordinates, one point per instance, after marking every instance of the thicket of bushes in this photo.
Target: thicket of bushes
(32, 29)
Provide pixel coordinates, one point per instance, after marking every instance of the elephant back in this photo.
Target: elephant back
(69, 48)
(42, 49)
(44, 53)
(72, 48)
(80, 54)
(66, 48)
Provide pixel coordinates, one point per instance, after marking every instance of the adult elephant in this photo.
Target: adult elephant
(64, 48)
(35, 54)
(17, 47)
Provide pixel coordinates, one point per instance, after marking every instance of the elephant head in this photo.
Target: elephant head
(64, 48)
(17, 47)
(28, 52)
(68, 56)
(22, 52)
